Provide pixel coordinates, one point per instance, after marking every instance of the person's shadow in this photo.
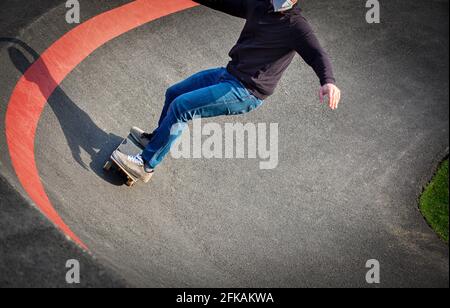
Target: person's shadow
(80, 131)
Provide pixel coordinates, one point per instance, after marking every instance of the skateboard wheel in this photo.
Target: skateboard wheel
(108, 165)
(130, 182)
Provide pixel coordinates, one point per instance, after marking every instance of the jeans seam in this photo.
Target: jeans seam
(157, 153)
(209, 105)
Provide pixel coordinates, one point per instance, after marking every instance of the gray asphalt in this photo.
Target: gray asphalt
(347, 184)
(33, 253)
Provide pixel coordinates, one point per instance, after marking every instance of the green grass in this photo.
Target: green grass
(434, 202)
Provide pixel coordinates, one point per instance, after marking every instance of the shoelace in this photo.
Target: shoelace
(136, 160)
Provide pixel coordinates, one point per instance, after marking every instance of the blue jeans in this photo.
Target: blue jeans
(210, 93)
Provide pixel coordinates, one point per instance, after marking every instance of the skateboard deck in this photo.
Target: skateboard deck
(128, 146)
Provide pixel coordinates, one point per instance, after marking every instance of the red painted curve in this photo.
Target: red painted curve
(42, 78)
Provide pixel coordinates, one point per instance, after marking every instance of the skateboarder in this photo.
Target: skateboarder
(274, 31)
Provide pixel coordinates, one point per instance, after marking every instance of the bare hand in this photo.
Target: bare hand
(333, 93)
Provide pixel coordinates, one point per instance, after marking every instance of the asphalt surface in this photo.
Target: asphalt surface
(34, 254)
(346, 187)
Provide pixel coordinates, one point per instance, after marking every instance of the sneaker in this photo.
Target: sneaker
(134, 165)
(141, 137)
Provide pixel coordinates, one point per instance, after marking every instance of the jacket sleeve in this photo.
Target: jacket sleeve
(237, 8)
(308, 47)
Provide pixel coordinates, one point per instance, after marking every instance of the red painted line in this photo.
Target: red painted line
(38, 83)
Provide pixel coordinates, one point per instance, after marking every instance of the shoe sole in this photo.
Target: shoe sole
(127, 172)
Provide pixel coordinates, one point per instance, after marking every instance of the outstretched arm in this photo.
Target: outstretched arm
(237, 8)
(308, 46)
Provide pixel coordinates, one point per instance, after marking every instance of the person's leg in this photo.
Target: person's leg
(229, 97)
(197, 81)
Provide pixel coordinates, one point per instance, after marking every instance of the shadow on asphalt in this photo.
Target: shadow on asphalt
(79, 129)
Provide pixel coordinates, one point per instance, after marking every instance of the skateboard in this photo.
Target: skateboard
(128, 146)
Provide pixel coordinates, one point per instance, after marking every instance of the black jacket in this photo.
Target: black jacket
(268, 44)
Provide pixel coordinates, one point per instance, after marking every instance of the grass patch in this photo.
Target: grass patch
(434, 202)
